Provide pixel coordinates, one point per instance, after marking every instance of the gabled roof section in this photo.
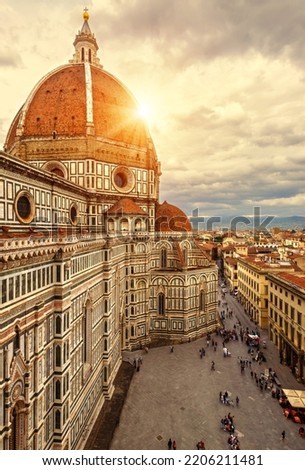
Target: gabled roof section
(127, 207)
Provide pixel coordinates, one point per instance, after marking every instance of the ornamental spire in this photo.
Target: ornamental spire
(85, 44)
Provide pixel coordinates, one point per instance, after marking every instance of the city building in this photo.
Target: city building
(252, 274)
(92, 263)
(230, 273)
(286, 314)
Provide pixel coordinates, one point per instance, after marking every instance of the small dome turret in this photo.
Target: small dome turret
(170, 218)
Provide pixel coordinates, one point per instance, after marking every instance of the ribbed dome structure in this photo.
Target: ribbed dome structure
(81, 109)
(170, 218)
(63, 106)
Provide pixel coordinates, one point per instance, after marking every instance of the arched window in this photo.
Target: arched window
(58, 356)
(17, 339)
(57, 419)
(124, 225)
(163, 260)
(105, 345)
(161, 304)
(57, 389)
(111, 225)
(138, 225)
(83, 54)
(87, 332)
(185, 255)
(58, 325)
(132, 331)
(90, 56)
(105, 327)
(201, 300)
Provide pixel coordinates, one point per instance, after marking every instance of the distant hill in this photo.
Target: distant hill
(296, 222)
(292, 222)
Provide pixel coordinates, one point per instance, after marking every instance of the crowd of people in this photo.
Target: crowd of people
(225, 398)
(250, 337)
(227, 423)
(248, 363)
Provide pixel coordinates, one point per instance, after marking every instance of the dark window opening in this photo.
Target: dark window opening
(161, 304)
(24, 207)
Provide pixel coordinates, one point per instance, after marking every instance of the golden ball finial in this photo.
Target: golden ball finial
(86, 14)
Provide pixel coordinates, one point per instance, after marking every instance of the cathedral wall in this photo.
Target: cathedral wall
(64, 310)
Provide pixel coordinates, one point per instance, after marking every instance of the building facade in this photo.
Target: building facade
(230, 273)
(91, 262)
(252, 276)
(287, 319)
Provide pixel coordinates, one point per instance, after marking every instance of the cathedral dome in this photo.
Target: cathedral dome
(76, 98)
(170, 218)
(80, 108)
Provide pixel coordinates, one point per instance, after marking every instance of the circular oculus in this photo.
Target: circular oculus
(24, 206)
(123, 179)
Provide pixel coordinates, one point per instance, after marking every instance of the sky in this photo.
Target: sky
(223, 82)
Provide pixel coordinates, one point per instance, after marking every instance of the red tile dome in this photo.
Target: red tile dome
(62, 103)
(170, 218)
(79, 111)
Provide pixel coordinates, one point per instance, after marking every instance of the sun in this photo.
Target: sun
(148, 108)
(145, 111)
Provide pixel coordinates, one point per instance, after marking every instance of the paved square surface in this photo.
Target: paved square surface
(176, 395)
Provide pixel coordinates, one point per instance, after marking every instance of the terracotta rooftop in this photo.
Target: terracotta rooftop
(58, 103)
(293, 278)
(228, 248)
(230, 260)
(126, 206)
(265, 265)
(207, 246)
(170, 218)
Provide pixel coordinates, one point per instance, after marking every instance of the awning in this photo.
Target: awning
(296, 398)
(296, 402)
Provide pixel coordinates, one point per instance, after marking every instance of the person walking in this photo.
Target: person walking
(169, 444)
(174, 445)
(283, 435)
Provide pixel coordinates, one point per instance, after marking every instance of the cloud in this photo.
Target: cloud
(9, 58)
(225, 81)
(297, 200)
(205, 30)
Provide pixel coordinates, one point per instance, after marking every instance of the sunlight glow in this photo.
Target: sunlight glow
(144, 111)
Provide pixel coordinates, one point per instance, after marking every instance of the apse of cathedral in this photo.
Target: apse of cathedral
(92, 264)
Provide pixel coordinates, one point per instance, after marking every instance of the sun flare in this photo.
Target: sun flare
(145, 111)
